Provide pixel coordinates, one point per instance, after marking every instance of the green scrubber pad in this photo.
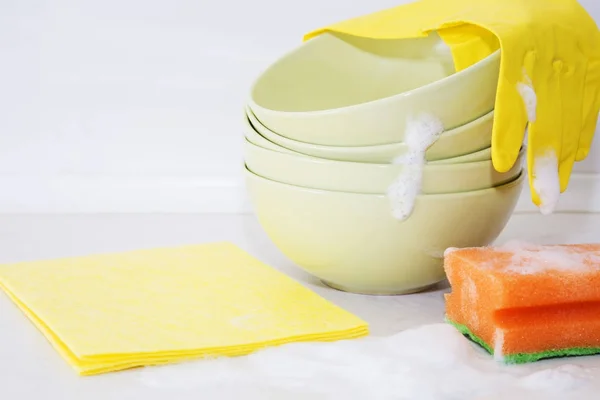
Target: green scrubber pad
(523, 358)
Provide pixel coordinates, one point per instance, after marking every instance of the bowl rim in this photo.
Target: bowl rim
(427, 166)
(250, 115)
(432, 86)
(481, 192)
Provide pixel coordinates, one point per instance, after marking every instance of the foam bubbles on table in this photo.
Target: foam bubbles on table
(432, 362)
(565, 377)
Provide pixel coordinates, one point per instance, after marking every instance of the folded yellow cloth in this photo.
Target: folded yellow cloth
(111, 312)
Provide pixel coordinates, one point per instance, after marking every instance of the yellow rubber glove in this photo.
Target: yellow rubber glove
(549, 73)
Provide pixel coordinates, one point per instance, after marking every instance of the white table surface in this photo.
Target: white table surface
(31, 369)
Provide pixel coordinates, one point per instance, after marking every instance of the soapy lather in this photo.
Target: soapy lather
(431, 362)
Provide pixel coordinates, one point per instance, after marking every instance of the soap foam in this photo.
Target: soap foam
(499, 345)
(566, 377)
(533, 259)
(469, 292)
(529, 97)
(421, 132)
(450, 250)
(546, 182)
(432, 362)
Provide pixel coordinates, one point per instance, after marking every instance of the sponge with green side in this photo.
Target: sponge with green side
(524, 302)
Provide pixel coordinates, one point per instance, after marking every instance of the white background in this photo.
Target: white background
(136, 105)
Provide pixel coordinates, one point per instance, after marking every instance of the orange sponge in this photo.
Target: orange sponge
(526, 302)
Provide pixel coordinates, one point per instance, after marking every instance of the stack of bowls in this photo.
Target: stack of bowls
(326, 133)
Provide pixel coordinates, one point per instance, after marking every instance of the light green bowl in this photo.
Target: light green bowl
(255, 138)
(354, 177)
(352, 242)
(466, 139)
(342, 90)
(481, 155)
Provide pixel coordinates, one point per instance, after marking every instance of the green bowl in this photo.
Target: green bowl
(466, 139)
(341, 90)
(481, 155)
(355, 177)
(255, 138)
(352, 242)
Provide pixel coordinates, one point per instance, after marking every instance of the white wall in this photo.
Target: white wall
(135, 105)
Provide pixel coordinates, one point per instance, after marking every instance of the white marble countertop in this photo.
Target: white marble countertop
(31, 369)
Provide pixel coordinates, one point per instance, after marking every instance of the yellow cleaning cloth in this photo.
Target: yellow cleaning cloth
(111, 312)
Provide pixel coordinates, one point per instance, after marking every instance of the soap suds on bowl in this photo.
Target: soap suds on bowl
(421, 132)
(546, 182)
(529, 258)
(432, 362)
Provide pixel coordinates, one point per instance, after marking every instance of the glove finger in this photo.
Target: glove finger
(545, 136)
(510, 116)
(587, 136)
(571, 81)
(590, 110)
